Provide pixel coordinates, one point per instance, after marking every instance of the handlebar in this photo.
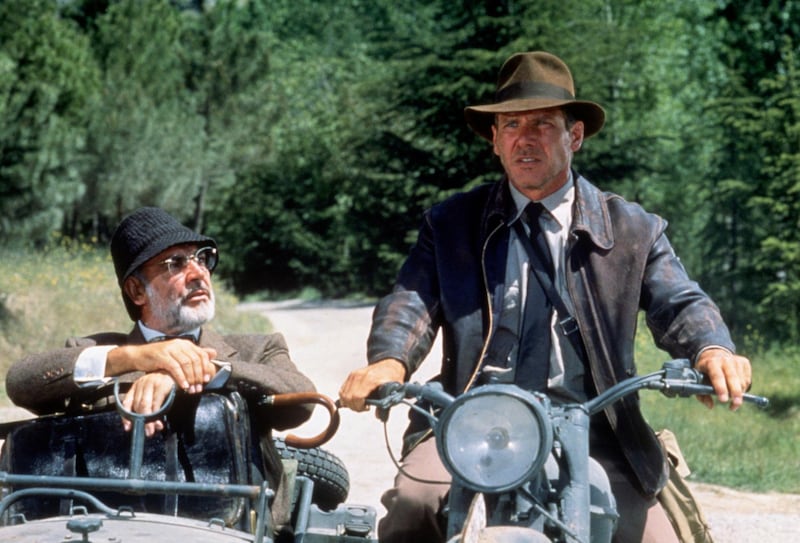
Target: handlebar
(675, 378)
(392, 393)
(680, 379)
(139, 420)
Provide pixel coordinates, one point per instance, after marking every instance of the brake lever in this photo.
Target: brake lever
(385, 397)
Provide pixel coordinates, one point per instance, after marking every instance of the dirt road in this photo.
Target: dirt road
(327, 341)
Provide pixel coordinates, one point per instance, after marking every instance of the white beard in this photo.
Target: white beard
(176, 316)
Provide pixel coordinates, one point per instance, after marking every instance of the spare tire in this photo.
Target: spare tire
(329, 474)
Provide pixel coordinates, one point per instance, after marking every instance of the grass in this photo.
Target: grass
(751, 449)
(70, 289)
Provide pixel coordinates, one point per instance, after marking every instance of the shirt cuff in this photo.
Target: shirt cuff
(707, 347)
(90, 368)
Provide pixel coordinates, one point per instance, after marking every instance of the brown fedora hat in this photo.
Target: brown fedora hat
(536, 80)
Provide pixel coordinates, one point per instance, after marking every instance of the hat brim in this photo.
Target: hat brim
(164, 242)
(481, 118)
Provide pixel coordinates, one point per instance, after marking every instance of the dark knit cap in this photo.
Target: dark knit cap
(141, 236)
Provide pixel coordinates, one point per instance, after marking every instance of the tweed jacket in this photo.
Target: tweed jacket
(618, 261)
(260, 365)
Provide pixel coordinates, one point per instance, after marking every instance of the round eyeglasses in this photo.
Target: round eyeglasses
(205, 257)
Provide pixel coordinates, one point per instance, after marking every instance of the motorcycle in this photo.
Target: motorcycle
(520, 464)
(80, 475)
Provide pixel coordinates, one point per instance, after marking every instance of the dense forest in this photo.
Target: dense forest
(308, 136)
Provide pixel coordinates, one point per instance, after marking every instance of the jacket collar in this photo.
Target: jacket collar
(210, 338)
(590, 215)
(135, 336)
(500, 207)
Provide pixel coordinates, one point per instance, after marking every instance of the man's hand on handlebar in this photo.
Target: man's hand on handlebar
(729, 374)
(147, 395)
(361, 382)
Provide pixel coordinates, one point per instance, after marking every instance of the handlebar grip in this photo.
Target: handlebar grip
(135, 417)
(759, 401)
(701, 389)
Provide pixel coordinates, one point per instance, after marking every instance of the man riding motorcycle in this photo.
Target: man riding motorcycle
(470, 274)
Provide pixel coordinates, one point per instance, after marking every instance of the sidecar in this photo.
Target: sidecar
(82, 478)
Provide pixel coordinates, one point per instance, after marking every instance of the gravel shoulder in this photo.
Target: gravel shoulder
(328, 340)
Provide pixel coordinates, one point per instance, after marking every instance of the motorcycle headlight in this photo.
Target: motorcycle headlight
(494, 438)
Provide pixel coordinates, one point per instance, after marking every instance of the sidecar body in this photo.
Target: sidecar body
(82, 478)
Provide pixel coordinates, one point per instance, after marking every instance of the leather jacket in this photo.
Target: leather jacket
(618, 261)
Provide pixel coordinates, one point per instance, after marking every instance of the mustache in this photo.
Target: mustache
(197, 286)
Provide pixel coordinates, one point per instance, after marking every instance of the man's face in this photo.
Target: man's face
(536, 148)
(175, 300)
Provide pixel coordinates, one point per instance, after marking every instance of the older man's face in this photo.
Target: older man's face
(536, 148)
(176, 300)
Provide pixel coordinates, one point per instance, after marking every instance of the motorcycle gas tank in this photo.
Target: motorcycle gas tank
(140, 528)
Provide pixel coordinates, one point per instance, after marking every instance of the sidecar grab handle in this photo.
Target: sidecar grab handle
(137, 432)
(299, 398)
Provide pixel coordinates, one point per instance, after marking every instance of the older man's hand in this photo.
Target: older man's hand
(147, 394)
(188, 364)
(729, 374)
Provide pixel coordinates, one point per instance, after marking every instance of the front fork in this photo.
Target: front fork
(573, 433)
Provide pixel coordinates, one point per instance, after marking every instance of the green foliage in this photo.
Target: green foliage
(48, 80)
(778, 205)
(145, 137)
(308, 136)
(751, 255)
(226, 62)
(751, 448)
(306, 214)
